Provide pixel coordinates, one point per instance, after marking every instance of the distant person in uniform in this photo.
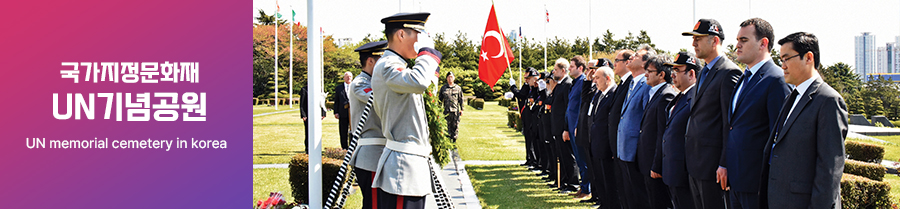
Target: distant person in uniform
(403, 176)
(452, 96)
(342, 109)
(371, 139)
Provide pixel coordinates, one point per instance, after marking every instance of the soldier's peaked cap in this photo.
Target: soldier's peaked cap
(415, 21)
(372, 48)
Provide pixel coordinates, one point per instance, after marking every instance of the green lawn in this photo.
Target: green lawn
(483, 135)
(258, 109)
(278, 137)
(891, 149)
(512, 186)
(894, 181)
(275, 179)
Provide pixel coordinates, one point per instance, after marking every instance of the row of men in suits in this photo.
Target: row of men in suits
(678, 134)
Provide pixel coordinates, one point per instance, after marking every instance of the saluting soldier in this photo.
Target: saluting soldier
(403, 170)
(371, 139)
(452, 96)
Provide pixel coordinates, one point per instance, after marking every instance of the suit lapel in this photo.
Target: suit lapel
(708, 79)
(637, 91)
(680, 104)
(805, 98)
(763, 70)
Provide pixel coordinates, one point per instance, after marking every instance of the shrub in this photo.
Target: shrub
(299, 176)
(478, 103)
(860, 192)
(511, 117)
(864, 151)
(504, 102)
(869, 170)
(329, 105)
(519, 124)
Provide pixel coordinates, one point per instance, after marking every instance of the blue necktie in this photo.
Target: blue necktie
(703, 75)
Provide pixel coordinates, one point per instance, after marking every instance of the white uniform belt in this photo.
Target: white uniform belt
(408, 148)
(371, 141)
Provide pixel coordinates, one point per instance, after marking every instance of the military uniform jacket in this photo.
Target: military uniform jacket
(452, 96)
(371, 140)
(403, 166)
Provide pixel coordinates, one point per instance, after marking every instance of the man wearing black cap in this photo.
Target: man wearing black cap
(546, 143)
(706, 127)
(371, 139)
(669, 158)
(753, 110)
(452, 96)
(403, 175)
(523, 96)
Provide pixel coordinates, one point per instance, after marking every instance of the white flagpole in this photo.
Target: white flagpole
(291, 71)
(314, 48)
(519, 42)
(276, 55)
(590, 27)
(545, 35)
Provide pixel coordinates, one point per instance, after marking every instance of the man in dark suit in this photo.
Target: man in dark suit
(804, 157)
(342, 109)
(630, 128)
(653, 125)
(604, 191)
(705, 132)
(669, 160)
(615, 113)
(549, 152)
(304, 112)
(753, 109)
(568, 174)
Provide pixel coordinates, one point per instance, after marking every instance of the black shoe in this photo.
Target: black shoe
(524, 164)
(568, 189)
(590, 200)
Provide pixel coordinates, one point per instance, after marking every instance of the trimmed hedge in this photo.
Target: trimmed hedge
(329, 105)
(504, 102)
(860, 192)
(511, 118)
(519, 124)
(299, 176)
(869, 170)
(864, 151)
(478, 103)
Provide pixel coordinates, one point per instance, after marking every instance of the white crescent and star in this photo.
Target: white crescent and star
(496, 36)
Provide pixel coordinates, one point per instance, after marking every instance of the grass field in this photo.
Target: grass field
(512, 186)
(278, 137)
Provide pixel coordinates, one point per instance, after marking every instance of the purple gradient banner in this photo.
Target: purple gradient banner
(40, 35)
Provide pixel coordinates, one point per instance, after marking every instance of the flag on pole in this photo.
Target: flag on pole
(495, 52)
(293, 15)
(520, 31)
(548, 14)
(277, 10)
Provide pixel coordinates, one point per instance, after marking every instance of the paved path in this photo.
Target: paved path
(873, 131)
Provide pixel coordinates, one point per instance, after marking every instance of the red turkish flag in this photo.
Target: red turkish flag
(495, 52)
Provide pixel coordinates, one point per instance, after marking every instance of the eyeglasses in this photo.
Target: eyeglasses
(789, 58)
(621, 60)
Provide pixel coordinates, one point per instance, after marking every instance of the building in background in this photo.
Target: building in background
(887, 58)
(865, 53)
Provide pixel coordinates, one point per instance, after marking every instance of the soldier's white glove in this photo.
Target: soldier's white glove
(424, 41)
(541, 85)
(512, 82)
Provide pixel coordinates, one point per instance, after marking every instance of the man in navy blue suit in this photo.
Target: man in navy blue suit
(602, 158)
(629, 129)
(706, 132)
(753, 110)
(653, 125)
(669, 158)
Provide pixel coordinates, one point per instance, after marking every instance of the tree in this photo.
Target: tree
(264, 19)
(842, 78)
